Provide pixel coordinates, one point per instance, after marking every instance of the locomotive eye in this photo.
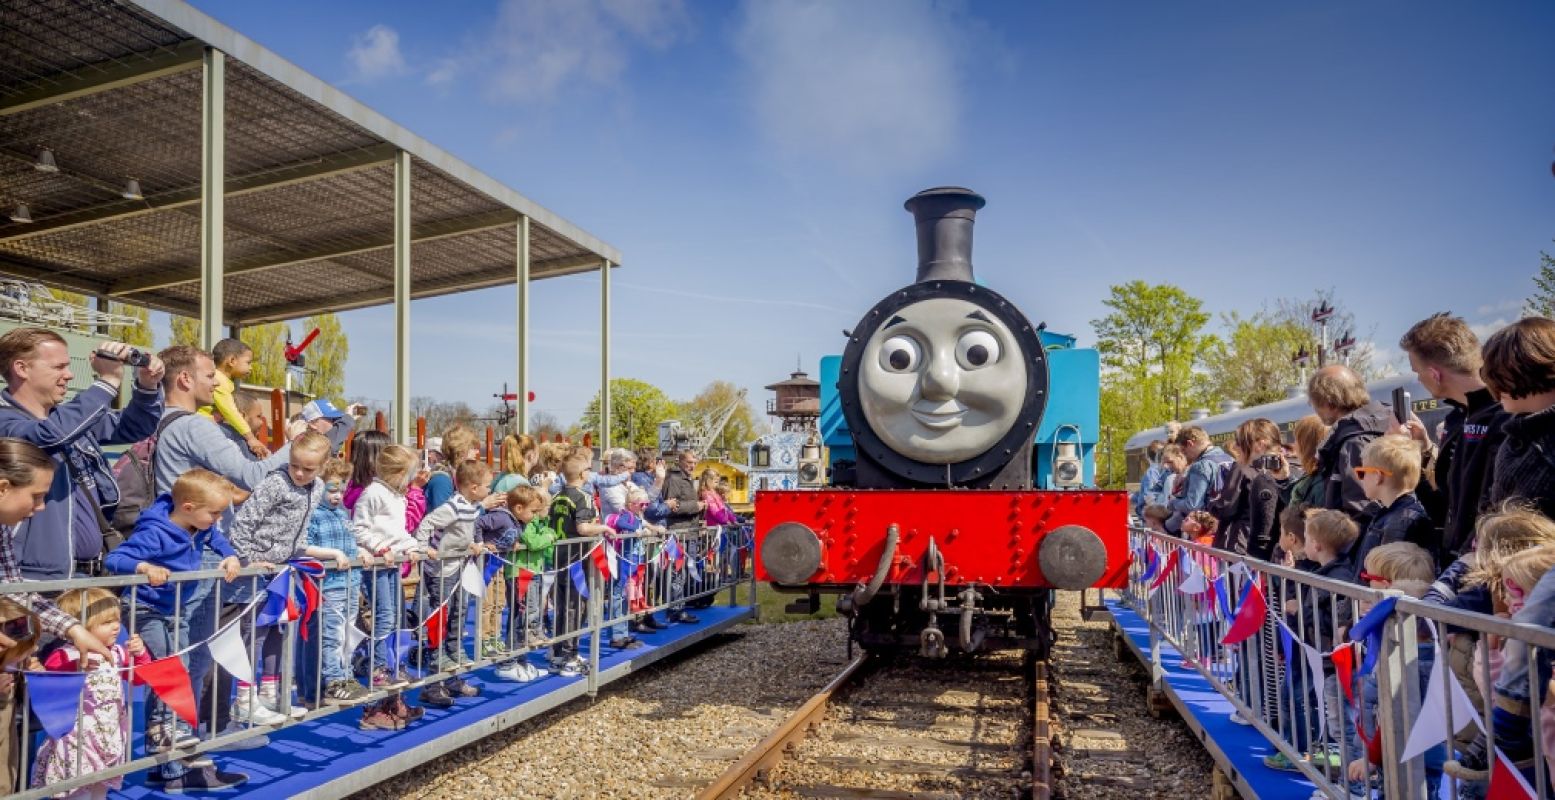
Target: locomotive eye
(977, 349)
(900, 354)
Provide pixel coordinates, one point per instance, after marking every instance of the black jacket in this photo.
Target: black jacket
(1525, 462)
(1326, 606)
(1403, 521)
(1247, 510)
(1465, 467)
(1340, 454)
(683, 488)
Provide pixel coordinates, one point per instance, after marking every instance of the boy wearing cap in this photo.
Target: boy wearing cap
(322, 416)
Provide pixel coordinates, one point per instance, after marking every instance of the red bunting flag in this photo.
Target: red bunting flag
(524, 579)
(1506, 783)
(1167, 569)
(1343, 657)
(601, 560)
(437, 626)
(170, 680)
(1249, 618)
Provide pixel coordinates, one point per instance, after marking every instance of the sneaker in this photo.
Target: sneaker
(457, 687)
(204, 779)
(402, 710)
(383, 679)
(344, 691)
(253, 742)
(462, 658)
(435, 696)
(270, 697)
(1280, 762)
(1238, 719)
(378, 718)
(494, 648)
(567, 669)
(650, 624)
(164, 738)
(511, 672)
(248, 708)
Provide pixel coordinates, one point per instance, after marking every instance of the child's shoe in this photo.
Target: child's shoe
(435, 696)
(344, 691)
(248, 708)
(493, 648)
(378, 718)
(517, 671)
(457, 687)
(383, 679)
(270, 698)
(402, 710)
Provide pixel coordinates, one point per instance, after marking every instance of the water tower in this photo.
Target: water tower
(797, 402)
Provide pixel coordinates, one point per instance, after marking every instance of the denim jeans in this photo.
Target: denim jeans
(319, 660)
(433, 589)
(388, 604)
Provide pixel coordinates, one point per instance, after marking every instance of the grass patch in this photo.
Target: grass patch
(771, 603)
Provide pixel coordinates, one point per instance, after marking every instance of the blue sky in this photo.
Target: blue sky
(750, 161)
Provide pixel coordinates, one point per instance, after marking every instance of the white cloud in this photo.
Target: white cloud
(1483, 330)
(376, 54)
(1500, 308)
(536, 47)
(867, 84)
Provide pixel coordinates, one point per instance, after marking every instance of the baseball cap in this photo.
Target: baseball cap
(320, 409)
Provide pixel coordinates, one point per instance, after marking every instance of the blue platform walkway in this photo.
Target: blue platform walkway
(1237, 749)
(330, 757)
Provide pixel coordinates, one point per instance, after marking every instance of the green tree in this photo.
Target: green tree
(1253, 363)
(1542, 302)
(636, 409)
(186, 330)
(1150, 343)
(326, 358)
(744, 426)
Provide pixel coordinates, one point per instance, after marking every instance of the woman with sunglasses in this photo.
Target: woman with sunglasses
(26, 472)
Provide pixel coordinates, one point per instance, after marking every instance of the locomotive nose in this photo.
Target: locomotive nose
(791, 553)
(1072, 557)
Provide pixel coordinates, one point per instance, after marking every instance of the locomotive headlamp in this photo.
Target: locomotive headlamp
(1067, 473)
(811, 473)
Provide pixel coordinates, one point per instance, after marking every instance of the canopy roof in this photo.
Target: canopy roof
(113, 91)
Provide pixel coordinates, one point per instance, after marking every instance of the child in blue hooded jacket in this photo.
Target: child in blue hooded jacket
(177, 533)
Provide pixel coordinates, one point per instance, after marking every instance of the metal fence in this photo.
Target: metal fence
(1282, 668)
(413, 626)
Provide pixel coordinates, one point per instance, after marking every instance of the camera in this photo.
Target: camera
(135, 358)
(1269, 463)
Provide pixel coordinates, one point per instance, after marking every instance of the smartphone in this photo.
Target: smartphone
(1401, 405)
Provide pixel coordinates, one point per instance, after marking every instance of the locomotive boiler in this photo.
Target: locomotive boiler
(958, 500)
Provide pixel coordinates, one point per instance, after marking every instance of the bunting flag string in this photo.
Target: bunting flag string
(579, 580)
(1369, 630)
(170, 680)
(1222, 596)
(54, 698)
(292, 595)
(227, 649)
(1152, 563)
(1194, 583)
(1430, 728)
(1250, 615)
(472, 579)
(1167, 569)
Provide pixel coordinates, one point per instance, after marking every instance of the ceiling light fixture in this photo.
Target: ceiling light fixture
(132, 190)
(21, 214)
(45, 162)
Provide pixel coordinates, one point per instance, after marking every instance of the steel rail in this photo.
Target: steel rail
(769, 751)
(1041, 734)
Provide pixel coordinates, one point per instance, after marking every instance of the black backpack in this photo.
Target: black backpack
(135, 472)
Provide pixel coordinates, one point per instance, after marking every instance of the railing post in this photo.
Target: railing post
(1398, 704)
(596, 603)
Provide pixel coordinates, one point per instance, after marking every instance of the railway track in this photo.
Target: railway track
(908, 729)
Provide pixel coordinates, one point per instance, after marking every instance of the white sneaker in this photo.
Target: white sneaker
(270, 698)
(511, 672)
(1237, 719)
(248, 708)
(535, 673)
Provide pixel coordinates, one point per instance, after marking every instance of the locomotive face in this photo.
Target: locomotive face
(942, 381)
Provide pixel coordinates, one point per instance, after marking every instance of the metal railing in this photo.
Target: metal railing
(659, 571)
(1283, 678)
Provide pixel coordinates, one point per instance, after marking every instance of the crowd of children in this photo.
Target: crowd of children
(379, 523)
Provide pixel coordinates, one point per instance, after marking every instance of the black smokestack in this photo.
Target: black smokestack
(944, 216)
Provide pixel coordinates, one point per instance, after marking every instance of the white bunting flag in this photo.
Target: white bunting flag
(471, 579)
(1194, 583)
(610, 559)
(350, 639)
(227, 649)
(1430, 727)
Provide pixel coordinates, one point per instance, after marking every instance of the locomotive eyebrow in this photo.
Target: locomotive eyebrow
(896, 320)
(978, 315)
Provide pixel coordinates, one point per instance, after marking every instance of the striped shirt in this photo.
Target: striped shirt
(451, 529)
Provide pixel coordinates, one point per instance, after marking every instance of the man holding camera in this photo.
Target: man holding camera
(65, 539)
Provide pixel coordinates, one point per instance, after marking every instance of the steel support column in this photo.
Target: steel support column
(402, 432)
(604, 357)
(522, 404)
(213, 196)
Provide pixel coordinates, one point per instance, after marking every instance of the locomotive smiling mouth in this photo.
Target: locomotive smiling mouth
(947, 416)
